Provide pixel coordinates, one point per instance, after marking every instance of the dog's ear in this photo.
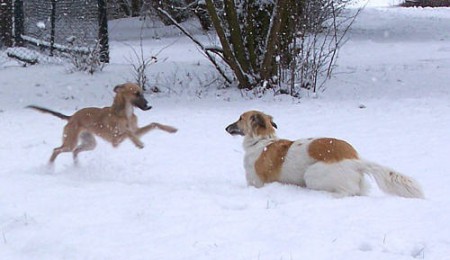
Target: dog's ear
(117, 88)
(258, 120)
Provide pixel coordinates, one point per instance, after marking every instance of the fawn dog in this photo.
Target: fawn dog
(114, 124)
(326, 164)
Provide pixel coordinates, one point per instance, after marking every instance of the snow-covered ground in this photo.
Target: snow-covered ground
(184, 196)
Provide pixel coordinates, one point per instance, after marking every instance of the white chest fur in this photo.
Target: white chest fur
(253, 149)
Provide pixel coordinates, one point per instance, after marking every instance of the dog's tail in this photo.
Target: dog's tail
(46, 110)
(391, 181)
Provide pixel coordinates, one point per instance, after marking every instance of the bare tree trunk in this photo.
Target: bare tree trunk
(236, 34)
(228, 53)
(279, 16)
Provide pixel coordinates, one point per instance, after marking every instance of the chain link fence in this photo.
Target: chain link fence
(42, 31)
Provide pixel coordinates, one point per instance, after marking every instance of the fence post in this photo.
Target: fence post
(6, 22)
(52, 29)
(103, 31)
(18, 22)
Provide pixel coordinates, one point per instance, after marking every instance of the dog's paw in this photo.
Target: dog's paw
(172, 130)
(140, 145)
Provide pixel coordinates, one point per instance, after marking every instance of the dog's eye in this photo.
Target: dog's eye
(137, 94)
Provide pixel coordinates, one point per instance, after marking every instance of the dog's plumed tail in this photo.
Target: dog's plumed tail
(391, 181)
(46, 110)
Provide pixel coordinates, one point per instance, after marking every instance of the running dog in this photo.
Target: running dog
(114, 124)
(325, 164)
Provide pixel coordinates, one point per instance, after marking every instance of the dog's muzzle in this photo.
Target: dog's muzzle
(146, 108)
(142, 103)
(233, 129)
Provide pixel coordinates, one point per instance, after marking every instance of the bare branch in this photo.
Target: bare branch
(205, 50)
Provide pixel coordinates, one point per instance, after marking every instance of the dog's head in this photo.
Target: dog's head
(253, 124)
(132, 93)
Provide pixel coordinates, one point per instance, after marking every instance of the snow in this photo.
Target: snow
(375, 3)
(184, 196)
(40, 25)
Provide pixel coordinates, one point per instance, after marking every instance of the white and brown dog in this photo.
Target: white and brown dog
(325, 164)
(114, 124)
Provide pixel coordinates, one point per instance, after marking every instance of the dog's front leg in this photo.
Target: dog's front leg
(135, 139)
(143, 130)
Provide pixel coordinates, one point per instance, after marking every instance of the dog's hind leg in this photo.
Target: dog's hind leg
(88, 143)
(57, 151)
(338, 178)
(70, 140)
(143, 130)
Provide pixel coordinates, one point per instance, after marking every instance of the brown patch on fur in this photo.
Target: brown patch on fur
(268, 165)
(330, 150)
